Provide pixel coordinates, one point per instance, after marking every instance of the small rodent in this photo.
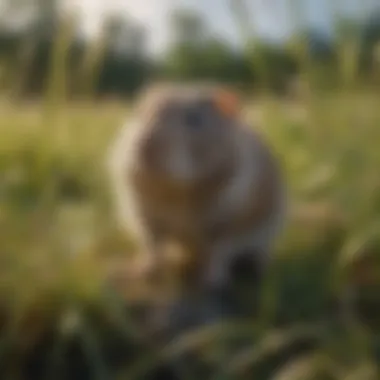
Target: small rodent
(186, 169)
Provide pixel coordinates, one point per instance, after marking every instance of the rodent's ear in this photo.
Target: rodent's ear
(227, 102)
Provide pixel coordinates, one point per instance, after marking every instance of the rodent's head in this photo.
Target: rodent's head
(186, 131)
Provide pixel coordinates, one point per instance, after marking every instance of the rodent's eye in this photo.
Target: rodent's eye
(199, 113)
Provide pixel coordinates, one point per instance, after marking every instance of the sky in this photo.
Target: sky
(271, 18)
(152, 13)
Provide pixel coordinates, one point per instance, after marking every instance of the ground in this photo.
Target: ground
(59, 239)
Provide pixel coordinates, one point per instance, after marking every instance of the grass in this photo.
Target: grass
(58, 235)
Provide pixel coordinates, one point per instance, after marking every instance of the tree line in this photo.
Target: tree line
(47, 50)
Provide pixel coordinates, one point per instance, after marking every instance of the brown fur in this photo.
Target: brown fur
(161, 196)
(258, 207)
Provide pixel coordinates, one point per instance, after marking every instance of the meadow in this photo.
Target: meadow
(60, 317)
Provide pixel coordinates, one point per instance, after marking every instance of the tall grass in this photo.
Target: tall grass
(58, 239)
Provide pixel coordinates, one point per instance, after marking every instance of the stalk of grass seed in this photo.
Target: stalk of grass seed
(92, 64)
(249, 38)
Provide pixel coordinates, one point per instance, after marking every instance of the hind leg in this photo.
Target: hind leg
(246, 274)
(245, 267)
(235, 275)
(235, 297)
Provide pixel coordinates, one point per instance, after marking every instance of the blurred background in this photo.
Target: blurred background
(69, 72)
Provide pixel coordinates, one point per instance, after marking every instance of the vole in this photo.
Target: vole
(186, 168)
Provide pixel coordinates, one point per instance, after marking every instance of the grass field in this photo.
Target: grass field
(58, 235)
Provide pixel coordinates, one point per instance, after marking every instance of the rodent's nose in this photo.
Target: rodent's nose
(193, 119)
